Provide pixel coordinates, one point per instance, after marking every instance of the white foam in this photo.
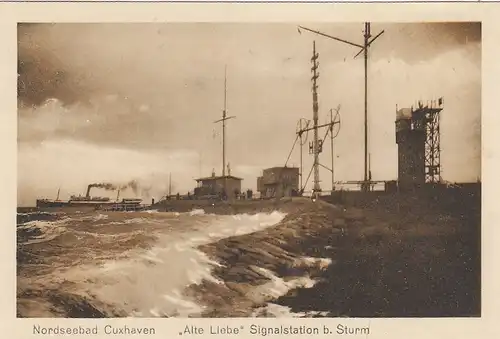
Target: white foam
(150, 282)
(49, 229)
(197, 212)
(154, 312)
(39, 213)
(184, 307)
(278, 311)
(321, 263)
(44, 225)
(110, 237)
(100, 217)
(137, 283)
(277, 287)
(152, 259)
(133, 221)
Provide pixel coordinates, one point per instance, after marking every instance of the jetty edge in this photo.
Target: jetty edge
(379, 260)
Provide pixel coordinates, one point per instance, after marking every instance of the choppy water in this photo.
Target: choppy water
(119, 264)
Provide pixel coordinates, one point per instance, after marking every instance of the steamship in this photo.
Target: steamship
(90, 201)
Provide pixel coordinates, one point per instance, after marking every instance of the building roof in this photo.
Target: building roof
(218, 177)
(280, 168)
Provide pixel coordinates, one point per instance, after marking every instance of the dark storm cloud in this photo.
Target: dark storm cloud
(45, 71)
(41, 74)
(82, 66)
(461, 31)
(420, 42)
(449, 35)
(160, 86)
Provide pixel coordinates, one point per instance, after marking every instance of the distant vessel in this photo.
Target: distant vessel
(74, 200)
(87, 201)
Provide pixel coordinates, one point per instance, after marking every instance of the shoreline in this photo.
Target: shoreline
(416, 259)
(410, 260)
(259, 267)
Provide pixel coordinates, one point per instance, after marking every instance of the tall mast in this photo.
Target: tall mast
(369, 167)
(223, 120)
(200, 164)
(301, 160)
(170, 185)
(316, 146)
(367, 36)
(224, 114)
(331, 149)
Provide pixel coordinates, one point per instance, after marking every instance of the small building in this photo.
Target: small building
(214, 186)
(279, 182)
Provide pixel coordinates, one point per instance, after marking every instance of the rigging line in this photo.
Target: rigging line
(326, 134)
(290, 154)
(331, 37)
(308, 177)
(325, 167)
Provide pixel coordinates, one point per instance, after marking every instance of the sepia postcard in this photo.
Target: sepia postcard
(315, 174)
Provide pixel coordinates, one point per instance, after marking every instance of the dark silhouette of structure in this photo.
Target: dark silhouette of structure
(419, 150)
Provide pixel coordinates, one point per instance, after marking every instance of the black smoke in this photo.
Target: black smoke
(134, 185)
(106, 186)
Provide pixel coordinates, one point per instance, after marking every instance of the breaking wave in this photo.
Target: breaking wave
(132, 264)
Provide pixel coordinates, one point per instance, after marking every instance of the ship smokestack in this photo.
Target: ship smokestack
(88, 191)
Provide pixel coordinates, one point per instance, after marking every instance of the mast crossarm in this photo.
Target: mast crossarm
(223, 119)
(330, 124)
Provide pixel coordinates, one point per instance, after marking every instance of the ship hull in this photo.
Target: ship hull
(57, 204)
(49, 204)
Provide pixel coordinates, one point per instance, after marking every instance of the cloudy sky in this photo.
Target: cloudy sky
(117, 102)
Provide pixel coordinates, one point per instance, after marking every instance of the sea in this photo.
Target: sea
(121, 264)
